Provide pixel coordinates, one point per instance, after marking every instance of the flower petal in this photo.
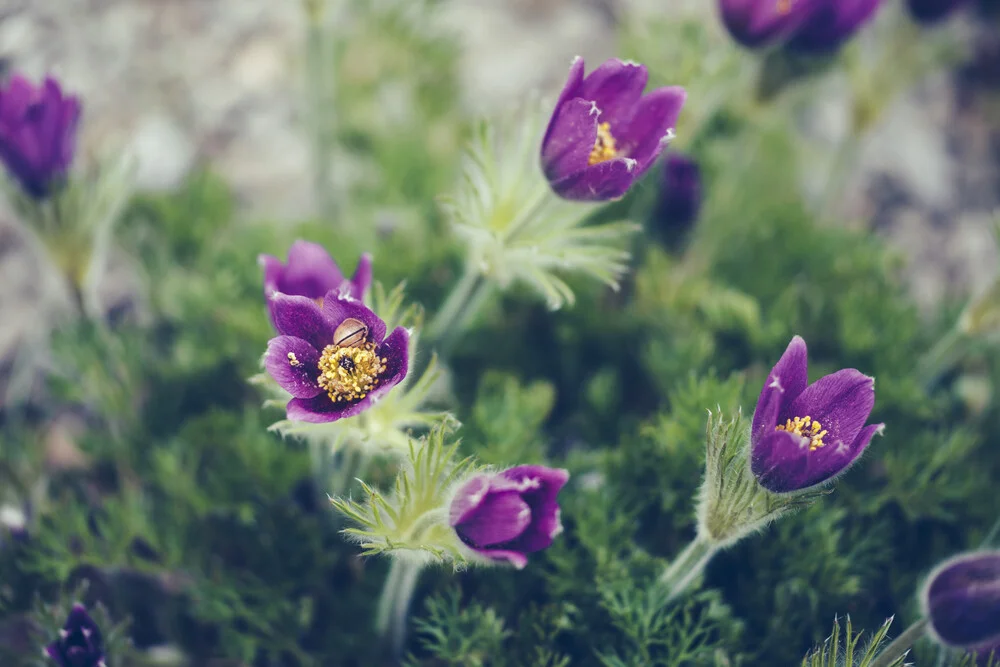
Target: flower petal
(467, 499)
(500, 517)
(310, 271)
(538, 486)
(337, 308)
(962, 600)
(571, 138)
(780, 462)
(515, 558)
(573, 82)
(615, 86)
(321, 410)
(362, 278)
(294, 364)
(603, 181)
(396, 351)
(301, 317)
(783, 385)
(831, 23)
(841, 402)
(756, 23)
(642, 138)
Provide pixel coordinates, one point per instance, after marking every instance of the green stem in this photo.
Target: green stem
(688, 564)
(394, 603)
(461, 305)
(900, 646)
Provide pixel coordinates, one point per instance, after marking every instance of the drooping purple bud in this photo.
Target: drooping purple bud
(80, 643)
(37, 133)
(680, 198)
(961, 600)
(760, 23)
(830, 24)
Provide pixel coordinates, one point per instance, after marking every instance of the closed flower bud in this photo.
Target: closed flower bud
(760, 23)
(80, 642)
(961, 601)
(830, 24)
(680, 198)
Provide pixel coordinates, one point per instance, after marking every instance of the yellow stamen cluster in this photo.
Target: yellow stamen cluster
(782, 7)
(349, 373)
(605, 148)
(807, 428)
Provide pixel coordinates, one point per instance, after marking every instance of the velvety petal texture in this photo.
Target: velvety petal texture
(831, 23)
(80, 643)
(760, 23)
(312, 273)
(932, 11)
(961, 599)
(680, 197)
(38, 127)
(605, 134)
(508, 515)
(334, 360)
(803, 435)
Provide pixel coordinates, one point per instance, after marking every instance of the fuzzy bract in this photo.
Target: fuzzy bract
(80, 643)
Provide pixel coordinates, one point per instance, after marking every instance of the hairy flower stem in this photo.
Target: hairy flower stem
(688, 564)
(462, 303)
(900, 646)
(394, 604)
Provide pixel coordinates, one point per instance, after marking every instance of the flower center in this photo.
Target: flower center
(349, 373)
(807, 428)
(782, 7)
(605, 147)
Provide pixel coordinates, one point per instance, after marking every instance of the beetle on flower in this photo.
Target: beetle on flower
(803, 436)
(604, 133)
(80, 643)
(37, 133)
(335, 359)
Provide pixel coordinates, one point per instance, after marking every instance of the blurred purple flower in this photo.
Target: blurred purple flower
(311, 272)
(37, 133)
(961, 599)
(759, 23)
(508, 515)
(334, 360)
(830, 24)
(806, 435)
(80, 643)
(931, 11)
(604, 133)
(680, 196)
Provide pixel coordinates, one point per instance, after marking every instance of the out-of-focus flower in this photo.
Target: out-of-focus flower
(80, 643)
(334, 360)
(604, 133)
(506, 516)
(37, 133)
(931, 11)
(830, 24)
(803, 435)
(311, 272)
(680, 196)
(758, 23)
(961, 600)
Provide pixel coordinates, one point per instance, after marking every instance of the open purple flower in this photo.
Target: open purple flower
(311, 272)
(334, 360)
(508, 515)
(759, 23)
(803, 435)
(830, 24)
(80, 643)
(961, 599)
(37, 133)
(931, 11)
(604, 133)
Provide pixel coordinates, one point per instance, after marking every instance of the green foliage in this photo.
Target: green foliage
(848, 650)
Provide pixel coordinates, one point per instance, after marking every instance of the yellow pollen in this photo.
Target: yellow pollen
(349, 373)
(605, 147)
(807, 428)
(292, 359)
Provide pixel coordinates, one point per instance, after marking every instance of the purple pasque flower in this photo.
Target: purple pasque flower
(759, 23)
(311, 272)
(335, 359)
(803, 435)
(604, 133)
(507, 515)
(961, 600)
(680, 195)
(80, 643)
(37, 133)
(830, 24)
(931, 11)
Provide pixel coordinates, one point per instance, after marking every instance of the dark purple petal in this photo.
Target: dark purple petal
(757, 23)
(80, 643)
(784, 383)
(841, 402)
(568, 92)
(539, 486)
(615, 87)
(468, 498)
(273, 270)
(294, 364)
(337, 308)
(962, 601)
(600, 182)
(571, 138)
(642, 138)
(501, 517)
(321, 410)
(831, 23)
(680, 196)
(310, 271)
(780, 462)
(301, 317)
(362, 278)
(932, 11)
(396, 351)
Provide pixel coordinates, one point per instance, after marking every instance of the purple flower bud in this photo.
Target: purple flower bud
(604, 133)
(37, 133)
(334, 360)
(961, 599)
(311, 272)
(830, 24)
(508, 515)
(680, 196)
(931, 11)
(80, 643)
(803, 435)
(758, 23)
